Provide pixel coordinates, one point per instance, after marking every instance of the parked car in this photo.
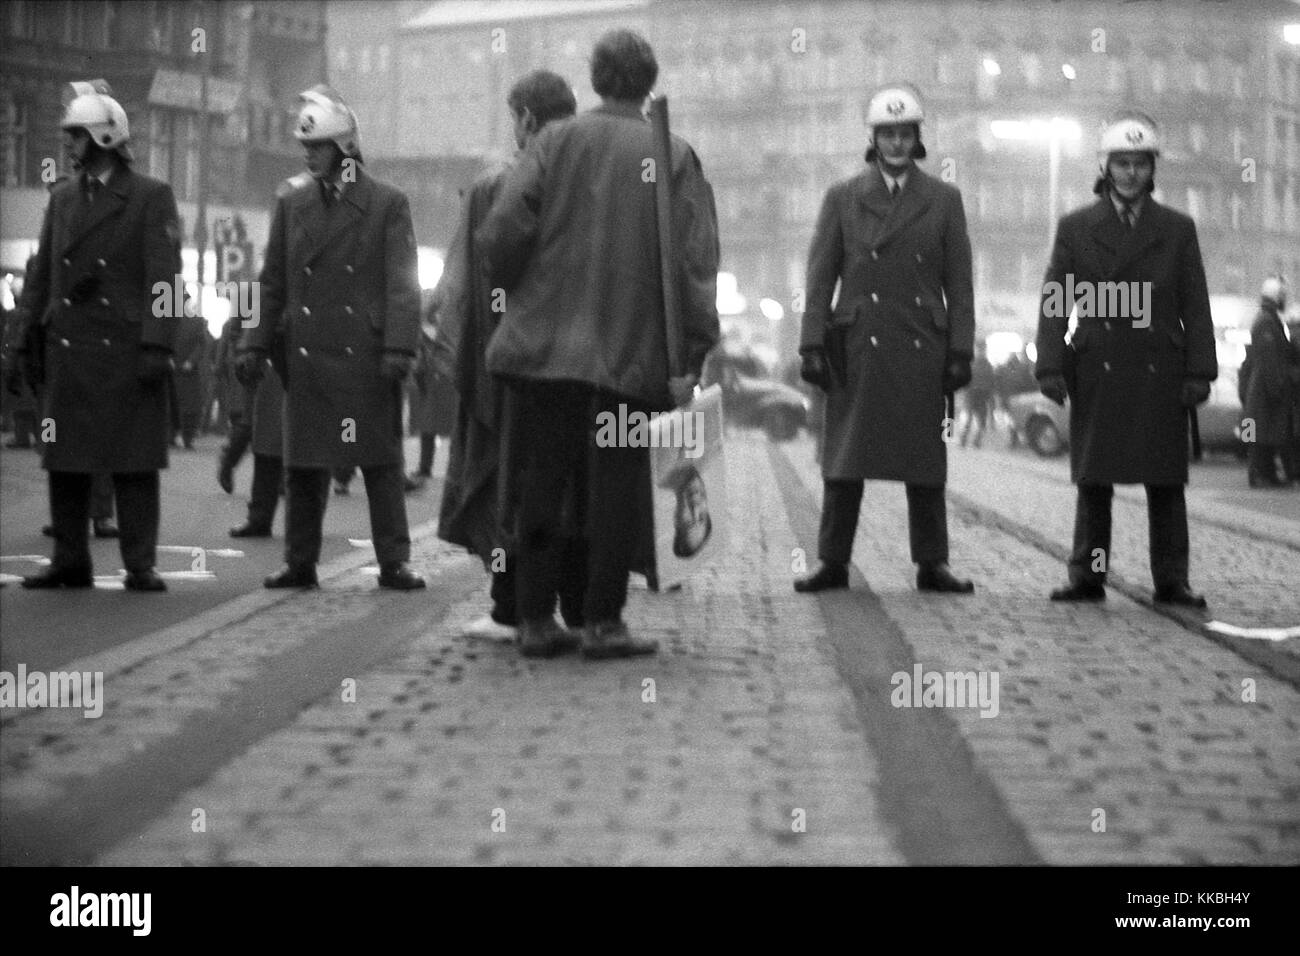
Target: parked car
(1045, 426)
(752, 399)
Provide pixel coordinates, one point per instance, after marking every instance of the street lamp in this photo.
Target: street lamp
(1053, 131)
(1291, 33)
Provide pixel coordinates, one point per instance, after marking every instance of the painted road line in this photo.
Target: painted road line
(1253, 633)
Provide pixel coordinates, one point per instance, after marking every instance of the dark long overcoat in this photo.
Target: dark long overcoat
(905, 305)
(1268, 392)
(92, 287)
(1126, 371)
(338, 289)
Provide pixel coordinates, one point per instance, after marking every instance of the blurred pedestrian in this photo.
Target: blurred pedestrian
(576, 342)
(1132, 376)
(266, 434)
(897, 340)
(465, 321)
(340, 304)
(433, 409)
(1268, 388)
(236, 404)
(110, 236)
(191, 349)
(980, 395)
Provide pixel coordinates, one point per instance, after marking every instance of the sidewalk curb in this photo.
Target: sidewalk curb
(125, 657)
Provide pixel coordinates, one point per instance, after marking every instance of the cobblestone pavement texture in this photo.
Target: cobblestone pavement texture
(456, 750)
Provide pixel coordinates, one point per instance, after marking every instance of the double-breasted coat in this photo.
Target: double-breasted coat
(1268, 391)
(905, 306)
(1126, 372)
(91, 286)
(338, 289)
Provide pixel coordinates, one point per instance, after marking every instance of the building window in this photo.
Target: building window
(341, 58)
(1158, 77)
(74, 23)
(1196, 137)
(1200, 76)
(163, 27)
(381, 59)
(19, 23)
(1195, 205)
(14, 141)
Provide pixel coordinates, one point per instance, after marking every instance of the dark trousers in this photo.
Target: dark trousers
(308, 493)
(101, 497)
(241, 436)
(428, 443)
(138, 510)
(927, 522)
(1167, 532)
(268, 474)
(566, 488)
(1263, 461)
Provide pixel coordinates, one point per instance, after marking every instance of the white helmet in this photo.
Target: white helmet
(94, 109)
(1274, 289)
(324, 116)
(1132, 133)
(894, 104)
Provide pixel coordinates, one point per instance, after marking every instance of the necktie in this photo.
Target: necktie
(93, 186)
(1127, 217)
(894, 189)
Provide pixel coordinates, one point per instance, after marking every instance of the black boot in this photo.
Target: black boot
(827, 577)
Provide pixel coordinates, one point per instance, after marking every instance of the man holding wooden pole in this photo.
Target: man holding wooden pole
(573, 246)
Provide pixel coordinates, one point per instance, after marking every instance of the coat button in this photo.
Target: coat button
(874, 254)
(918, 257)
(302, 351)
(1151, 368)
(916, 342)
(306, 311)
(67, 261)
(874, 297)
(306, 270)
(918, 300)
(101, 263)
(348, 350)
(107, 342)
(65, 343)
(1106, 326)
(67, 302)
(347, 309)
(1106, 366)
(103, 302)
(874, 343)
(348, 270)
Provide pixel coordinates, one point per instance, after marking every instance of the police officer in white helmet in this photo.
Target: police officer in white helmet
(1131, 374)
(340, 322)
(110, 236)
(896, 341)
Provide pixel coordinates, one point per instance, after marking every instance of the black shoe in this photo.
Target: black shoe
(828, 577)
(146, 580)
(291, 576)
(60, 578)
(1178, 594)
(226, 475)
(938, 577)
(400, 578)
(1080, 591)
(104, 528)
(48, 530)
(250, 530)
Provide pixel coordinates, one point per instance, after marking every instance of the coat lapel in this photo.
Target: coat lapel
(87, 217)
(1119, 246)
(326, 226)
(891, 215)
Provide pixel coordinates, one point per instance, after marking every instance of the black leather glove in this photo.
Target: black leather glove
(250, 366)
(154, 365)
(1195, 391)
(1053, 386)
(813, 369)
(395, 366)
(956, 374)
